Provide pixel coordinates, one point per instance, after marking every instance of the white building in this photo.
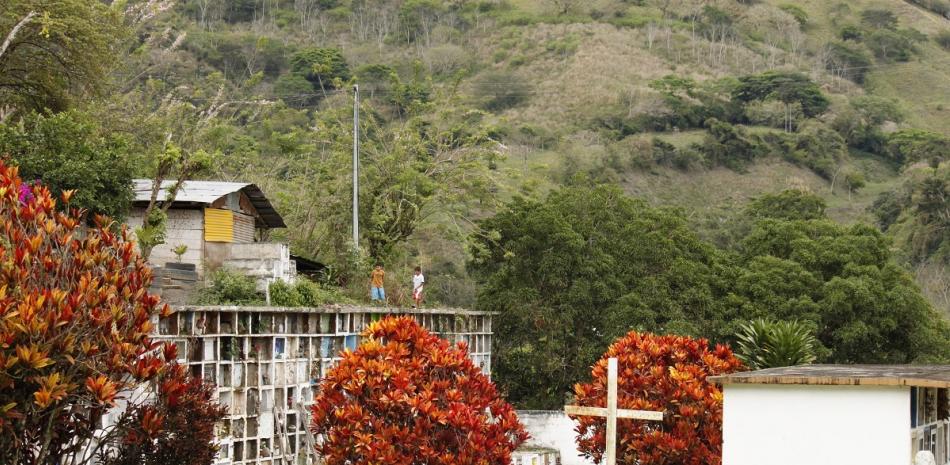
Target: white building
(835, 414)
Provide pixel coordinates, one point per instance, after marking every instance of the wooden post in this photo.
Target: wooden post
(612, 411)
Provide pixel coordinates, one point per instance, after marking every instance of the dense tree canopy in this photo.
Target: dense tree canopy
(785, 87)
(845, 280)
(580, 268)
(573, 271)
(70, 151)
(61, 50)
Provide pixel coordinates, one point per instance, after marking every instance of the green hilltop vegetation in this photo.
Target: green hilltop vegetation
(753, 158)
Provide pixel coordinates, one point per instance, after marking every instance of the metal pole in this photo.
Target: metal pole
(356, 166)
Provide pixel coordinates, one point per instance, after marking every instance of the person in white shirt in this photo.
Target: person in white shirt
(418, 281)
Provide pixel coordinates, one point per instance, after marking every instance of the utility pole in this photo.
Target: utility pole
(356, 167)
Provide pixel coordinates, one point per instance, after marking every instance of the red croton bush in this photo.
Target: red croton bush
(75, 325)
(407, 397)
(663, 373)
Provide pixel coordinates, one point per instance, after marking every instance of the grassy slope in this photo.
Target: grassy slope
(606, 62)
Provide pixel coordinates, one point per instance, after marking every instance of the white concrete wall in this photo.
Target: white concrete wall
(183, 227)
(552, 428)
(274, 258)
(816, 425)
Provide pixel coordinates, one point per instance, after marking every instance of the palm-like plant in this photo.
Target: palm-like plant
(765, 343)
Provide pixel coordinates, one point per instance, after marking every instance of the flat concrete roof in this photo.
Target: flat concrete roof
(845, 375)
(332, 308)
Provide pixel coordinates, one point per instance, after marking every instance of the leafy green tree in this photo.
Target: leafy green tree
(788, 205)
(785, 87)
(500, 90)
(729, 146)
(574, 271)
(324, 67)
(844, 280)
(70, 151)
(878, 18)
(52, 53)
(848, 61)
(764, 343)
(892, 45)
(434, 163)
(912, 145)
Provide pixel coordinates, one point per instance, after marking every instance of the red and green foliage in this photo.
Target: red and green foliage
(176, 429)
(75, 325)
(406, 397)
(663, 373)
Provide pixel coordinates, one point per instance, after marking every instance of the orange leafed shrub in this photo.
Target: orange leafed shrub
(75, 320)
(661, 373)
(406, 397)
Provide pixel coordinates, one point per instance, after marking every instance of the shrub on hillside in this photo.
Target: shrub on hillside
(500, 90)
(787, 205)
(660, 373)
(407, 396)
(892, 45)
(847, 61)
(796, 11)
(943, 39)
(851, 32)
(913, 145)
(878, 18)
(730, 146)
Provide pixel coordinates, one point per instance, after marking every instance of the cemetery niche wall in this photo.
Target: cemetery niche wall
(268, 361)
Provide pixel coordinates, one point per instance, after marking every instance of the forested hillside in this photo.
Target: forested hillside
(694, 104)
(826, 123)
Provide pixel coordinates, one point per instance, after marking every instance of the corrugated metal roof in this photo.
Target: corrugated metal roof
(206, 192)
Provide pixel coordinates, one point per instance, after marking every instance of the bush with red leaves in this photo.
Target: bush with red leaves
(406, 397)
(664, 373)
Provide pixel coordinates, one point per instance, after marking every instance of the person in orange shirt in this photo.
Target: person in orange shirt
(377, 291)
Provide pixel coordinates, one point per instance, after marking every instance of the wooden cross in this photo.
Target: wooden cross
(612, 412)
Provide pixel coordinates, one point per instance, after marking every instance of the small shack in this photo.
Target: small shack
(221, 224)
(835, 414)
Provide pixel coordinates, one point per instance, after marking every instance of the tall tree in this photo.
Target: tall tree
(71, 151)
(843, 279)
(55, 51)
(785, 87)
(570, 273)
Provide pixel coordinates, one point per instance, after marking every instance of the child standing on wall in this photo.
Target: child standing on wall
(418, 281)
(377, 291)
